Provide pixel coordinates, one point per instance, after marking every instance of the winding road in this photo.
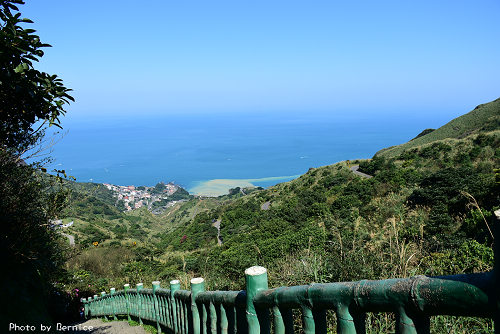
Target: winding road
(355, 168)
(71, 238)
(216, 224)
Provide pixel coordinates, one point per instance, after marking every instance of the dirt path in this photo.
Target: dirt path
(112, 327)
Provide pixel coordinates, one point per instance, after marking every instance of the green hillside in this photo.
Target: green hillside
(426, 210)
(484, 118)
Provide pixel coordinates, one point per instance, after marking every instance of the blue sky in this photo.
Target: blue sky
(130, 57)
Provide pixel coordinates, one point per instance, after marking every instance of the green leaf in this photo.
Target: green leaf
(19, 68)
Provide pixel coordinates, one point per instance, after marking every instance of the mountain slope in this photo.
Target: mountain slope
(485, 117)
(416, 215)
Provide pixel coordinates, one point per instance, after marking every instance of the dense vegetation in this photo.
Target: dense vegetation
(484, 118)
(427, 210)
(30, 102)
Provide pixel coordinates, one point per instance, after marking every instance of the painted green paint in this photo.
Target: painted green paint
(156, 286)
(256, 281)
(197, 286)
(414, 300)
(140, 312)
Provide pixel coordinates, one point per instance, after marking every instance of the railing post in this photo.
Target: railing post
(496, 270)
(126, 287)
(404, 324)
(156, 286)
(223, 319)
(96, 308)
(213, 317)
(283, 320)
(256, 280)
(308, 320)
(88, 309)
(197, 286)
(113, 307)
(345, 322)
(103, 302)
(83, 301)
(139, 287)
(174, 286)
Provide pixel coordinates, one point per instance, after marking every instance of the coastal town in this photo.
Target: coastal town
(154, 198)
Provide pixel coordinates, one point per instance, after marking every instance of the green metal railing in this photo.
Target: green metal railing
(259, 309)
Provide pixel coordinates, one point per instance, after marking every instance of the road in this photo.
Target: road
(71, 239)
(355, 168)
(217, 226)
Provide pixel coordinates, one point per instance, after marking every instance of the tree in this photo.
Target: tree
(159, 188)
(30, 100)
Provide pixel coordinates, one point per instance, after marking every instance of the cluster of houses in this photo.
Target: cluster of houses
(137, 197)
(56, 224)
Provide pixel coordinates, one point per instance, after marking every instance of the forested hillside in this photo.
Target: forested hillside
(418, 207)
(426, 210)
(484, 118)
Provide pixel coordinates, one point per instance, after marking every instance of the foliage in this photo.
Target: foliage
(180, 194)
(28, 97)
(159, 188)
(424, 211)
(483, 118)
(30, 101)
(32, 251)
(423, 133)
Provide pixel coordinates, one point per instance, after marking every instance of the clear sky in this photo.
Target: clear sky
(232, 56)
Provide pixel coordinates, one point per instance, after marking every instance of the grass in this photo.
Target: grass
(480, 119)
(386, 241)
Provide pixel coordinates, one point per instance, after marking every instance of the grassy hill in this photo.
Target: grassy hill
(484, 118)
(426, 210)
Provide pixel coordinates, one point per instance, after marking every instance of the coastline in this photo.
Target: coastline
(218, 187)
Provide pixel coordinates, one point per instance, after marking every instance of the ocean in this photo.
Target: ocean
(209, 153)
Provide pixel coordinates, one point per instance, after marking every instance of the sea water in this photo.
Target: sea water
(201, 152)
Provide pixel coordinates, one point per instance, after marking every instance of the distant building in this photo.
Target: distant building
(56, 224)
(68, 224)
